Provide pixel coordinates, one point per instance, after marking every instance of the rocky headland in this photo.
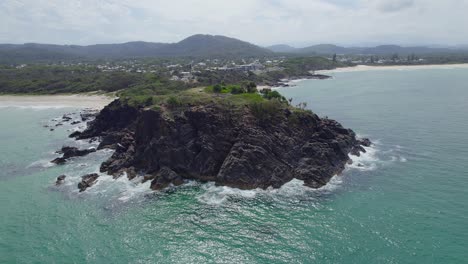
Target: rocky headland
(245, 145)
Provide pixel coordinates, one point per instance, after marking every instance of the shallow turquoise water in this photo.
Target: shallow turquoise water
(406, 205)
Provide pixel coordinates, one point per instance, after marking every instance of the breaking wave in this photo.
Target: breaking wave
(217, 195)
(295, 189)
(43, 163)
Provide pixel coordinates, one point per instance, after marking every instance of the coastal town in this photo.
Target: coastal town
(187, 70)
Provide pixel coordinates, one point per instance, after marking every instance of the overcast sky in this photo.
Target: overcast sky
(263, 22)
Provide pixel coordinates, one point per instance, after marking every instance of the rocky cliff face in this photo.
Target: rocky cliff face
(212, 143)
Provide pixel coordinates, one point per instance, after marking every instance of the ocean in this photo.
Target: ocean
(405, 201)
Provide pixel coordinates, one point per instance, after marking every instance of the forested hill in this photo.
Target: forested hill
(194, 46)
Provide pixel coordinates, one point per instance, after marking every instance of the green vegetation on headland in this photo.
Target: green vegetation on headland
(265, 104)
(55, 79)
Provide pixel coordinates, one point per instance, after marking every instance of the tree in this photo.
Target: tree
(251, 87)
(217, 88)
(334, 57)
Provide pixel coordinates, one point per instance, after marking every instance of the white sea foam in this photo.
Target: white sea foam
(217, 195)
(366, 162)
(41, 164)
(121, 189)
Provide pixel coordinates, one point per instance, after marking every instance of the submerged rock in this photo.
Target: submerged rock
(87, 181)
(75, 134)
(213, 143)
(59, 161)
(60, 180)
(66, 118)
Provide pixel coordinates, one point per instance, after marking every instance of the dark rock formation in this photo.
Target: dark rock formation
(88, 115)
(69, 152)
(356, 151)
(164, 178)
(60, 180)
(59, 161)
(365, 142)
(87, 181)
(66, 118)
(213, 143)
(75, 134)
(320, 76)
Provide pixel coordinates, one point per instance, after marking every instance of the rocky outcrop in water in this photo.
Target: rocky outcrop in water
(69, 152)
(60, 180)
(87, 181)
(213, 143)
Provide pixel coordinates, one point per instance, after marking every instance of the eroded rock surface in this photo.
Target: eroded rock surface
(233, 148)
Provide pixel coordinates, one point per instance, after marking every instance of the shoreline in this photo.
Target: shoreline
(360, 68)
(55, 101)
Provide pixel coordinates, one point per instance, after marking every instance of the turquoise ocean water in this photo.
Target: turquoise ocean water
(406, 204)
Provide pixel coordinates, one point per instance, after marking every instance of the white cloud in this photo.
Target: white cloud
(259, 21)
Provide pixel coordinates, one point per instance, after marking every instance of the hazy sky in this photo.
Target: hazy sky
(263, 22)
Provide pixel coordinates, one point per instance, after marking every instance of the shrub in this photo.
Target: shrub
(269, 94)
(266, 109)
(237, 90)
(173, 101)
(217, 88)
(251, 87)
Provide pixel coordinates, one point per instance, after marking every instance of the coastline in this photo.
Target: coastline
(56, 101)
(360, 68)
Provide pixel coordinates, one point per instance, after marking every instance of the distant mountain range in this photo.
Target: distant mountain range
(328, 49)
(194, 46)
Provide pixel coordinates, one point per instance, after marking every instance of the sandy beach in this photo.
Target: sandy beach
(396, 67)
(55, 101)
